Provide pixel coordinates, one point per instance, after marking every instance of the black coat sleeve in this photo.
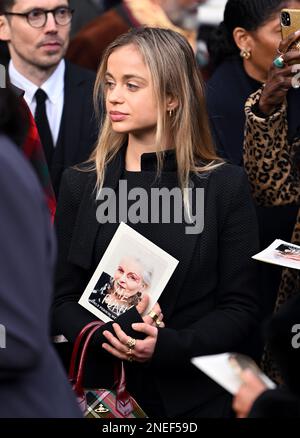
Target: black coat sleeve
(236, 313)
(69, 317)
(276, 403)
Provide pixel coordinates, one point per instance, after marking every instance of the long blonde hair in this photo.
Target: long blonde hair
(174, 72)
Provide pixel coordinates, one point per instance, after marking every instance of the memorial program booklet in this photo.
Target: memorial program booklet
(225, 369)
(131, 267)
(281, 253)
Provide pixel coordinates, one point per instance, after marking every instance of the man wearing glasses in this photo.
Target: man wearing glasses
(58, 93)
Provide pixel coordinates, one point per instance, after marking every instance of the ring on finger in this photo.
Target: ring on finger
(158, 322)
(153, 315)
(131, 342)
(279, 62)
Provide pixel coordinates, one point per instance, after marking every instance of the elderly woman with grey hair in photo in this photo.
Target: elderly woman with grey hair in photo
(129, 284)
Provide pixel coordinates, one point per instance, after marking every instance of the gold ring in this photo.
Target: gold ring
(129, 352)
(158, 322)
(153, 315)
(130, 359)
(131, 342)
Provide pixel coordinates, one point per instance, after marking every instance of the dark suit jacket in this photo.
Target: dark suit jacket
(79, 129)
(32, 382)
(210, 305)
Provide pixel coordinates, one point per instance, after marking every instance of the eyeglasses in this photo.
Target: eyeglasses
(38, 17)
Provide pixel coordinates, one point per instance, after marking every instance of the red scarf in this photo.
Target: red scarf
(33, 150)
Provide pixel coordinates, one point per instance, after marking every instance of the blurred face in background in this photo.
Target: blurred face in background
(183, 13)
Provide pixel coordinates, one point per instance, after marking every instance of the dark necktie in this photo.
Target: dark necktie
(42, 124)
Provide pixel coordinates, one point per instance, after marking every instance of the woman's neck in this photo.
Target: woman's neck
(134, 151)
(254, 73)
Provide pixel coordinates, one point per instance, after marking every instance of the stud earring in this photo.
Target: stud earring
(171, 112)
(245, 54)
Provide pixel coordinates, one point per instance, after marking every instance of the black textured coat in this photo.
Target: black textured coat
(210, 305)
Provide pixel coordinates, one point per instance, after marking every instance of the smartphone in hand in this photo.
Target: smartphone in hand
(290, 23)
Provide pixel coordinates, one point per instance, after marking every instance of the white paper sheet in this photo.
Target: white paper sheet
(218, 368)
(288, 256)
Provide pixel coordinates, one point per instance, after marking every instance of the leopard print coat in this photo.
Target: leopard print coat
(274, 177)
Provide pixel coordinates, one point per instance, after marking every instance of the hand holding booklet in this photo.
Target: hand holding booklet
(131, 267)
(281, 253)
(225, 369)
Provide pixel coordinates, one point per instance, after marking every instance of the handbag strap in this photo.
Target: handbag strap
(123, 399)
(120, 379)
(77, 344)
(78, 387)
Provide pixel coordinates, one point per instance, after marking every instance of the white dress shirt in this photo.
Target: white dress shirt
(54, 87)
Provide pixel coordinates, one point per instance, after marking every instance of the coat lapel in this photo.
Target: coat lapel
(87, 226)
(73, 114)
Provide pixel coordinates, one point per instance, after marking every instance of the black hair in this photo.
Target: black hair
(248, 14)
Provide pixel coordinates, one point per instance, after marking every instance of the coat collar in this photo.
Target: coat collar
(87, 226)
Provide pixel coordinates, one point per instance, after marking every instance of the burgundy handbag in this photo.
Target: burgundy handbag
(100, 403)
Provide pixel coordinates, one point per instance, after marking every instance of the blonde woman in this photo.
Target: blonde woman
(155, 136)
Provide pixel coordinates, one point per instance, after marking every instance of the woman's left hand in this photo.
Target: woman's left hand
(126, 348)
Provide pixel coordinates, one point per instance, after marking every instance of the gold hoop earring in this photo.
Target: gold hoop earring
(245, 54)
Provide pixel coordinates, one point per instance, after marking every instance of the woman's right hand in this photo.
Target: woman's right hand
(280, 79)
(141, 308)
